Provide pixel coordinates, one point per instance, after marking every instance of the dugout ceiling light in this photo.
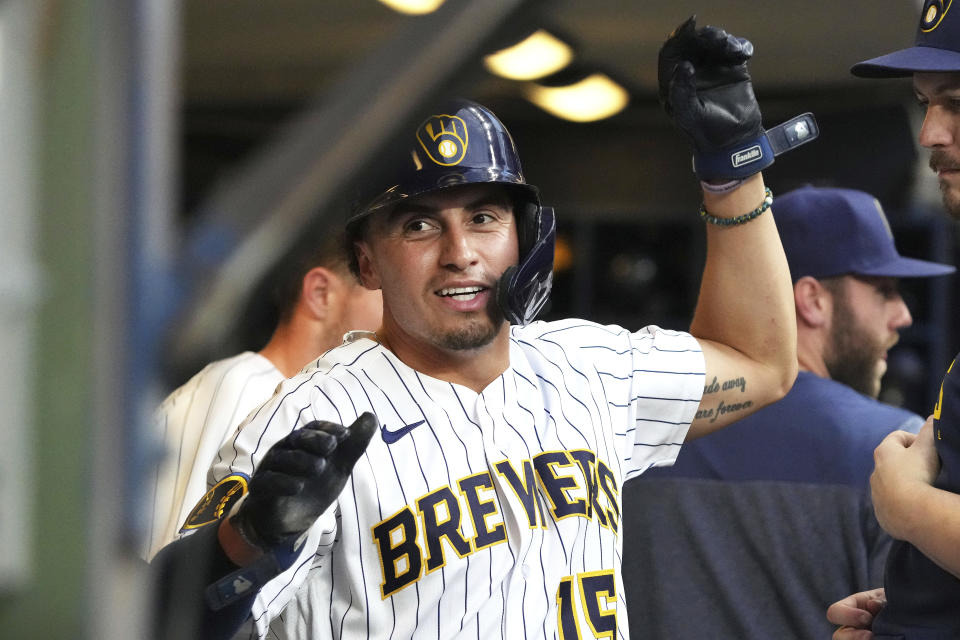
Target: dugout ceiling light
(536, 56)
(595, 97)
(413, 7)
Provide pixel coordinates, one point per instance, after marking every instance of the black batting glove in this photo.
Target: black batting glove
(299, 477)
(706, 91)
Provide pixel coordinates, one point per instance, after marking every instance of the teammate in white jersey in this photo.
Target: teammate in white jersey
(316, 300)
(487, 502)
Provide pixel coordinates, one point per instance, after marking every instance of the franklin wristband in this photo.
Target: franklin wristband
(755, 155)
(246, 580)
(242, 582)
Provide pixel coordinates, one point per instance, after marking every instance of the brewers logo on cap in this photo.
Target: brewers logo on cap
(444, 138)
(933, 13)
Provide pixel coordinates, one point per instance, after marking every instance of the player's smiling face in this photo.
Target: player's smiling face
(939, 96)
(437, 258)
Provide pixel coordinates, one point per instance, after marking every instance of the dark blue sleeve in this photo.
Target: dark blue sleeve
(182, 571)
(946, 430)
(922, 597)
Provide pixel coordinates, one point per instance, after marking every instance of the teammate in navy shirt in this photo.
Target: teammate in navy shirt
(774, 512)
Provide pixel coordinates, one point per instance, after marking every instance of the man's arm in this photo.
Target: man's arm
(181, 573)
(744, 317)
(907, 504)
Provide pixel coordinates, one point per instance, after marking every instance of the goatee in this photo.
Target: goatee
(478, 334)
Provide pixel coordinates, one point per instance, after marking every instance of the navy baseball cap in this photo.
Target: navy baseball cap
(936, 46)
(832, 232)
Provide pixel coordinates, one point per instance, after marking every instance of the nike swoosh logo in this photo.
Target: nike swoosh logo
(392, 436)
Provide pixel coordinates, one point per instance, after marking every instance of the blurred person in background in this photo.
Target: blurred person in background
(316, 300)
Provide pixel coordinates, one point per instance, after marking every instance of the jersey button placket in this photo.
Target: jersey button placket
(487, 428)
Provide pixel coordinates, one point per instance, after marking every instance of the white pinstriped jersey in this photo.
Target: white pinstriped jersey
(194, 422)
(478, 515)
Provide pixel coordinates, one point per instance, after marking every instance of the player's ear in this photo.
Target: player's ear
(368, 273)
(814, 302)
(318, 288)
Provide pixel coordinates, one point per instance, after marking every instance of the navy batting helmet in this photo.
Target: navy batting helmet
(465, 143)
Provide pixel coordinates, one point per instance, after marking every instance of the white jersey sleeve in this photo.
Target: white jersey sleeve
(193, 422)
(651, 382)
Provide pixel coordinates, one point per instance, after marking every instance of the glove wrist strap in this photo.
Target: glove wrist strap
(737, 162)
(241, 583)
(754, 155)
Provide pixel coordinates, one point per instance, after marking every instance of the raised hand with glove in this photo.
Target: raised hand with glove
(744, 319)
(705, 88)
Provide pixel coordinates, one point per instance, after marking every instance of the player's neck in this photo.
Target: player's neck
(279, 357)
(810, 358)
(293, 345)
(471, 368)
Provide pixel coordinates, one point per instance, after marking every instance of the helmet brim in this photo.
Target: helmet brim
(413, 188)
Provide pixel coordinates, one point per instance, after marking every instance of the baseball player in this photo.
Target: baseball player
(317, 300)
(915, 482)
(487, 502)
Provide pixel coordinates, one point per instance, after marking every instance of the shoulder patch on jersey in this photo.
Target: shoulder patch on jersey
(216, 502)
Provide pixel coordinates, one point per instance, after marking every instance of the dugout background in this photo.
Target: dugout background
(155, 167)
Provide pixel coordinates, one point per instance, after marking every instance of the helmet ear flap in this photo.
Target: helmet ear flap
(524, 289)
(528, 226)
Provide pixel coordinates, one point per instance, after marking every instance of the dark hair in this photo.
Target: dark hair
(288, 277)
(273, 299)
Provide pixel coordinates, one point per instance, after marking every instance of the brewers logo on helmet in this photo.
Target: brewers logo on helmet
(444, 139)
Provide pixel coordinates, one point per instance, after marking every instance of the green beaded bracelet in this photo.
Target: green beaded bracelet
(747, 217)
